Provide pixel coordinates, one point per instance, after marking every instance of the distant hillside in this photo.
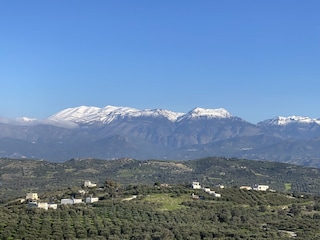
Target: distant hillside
(18, 176)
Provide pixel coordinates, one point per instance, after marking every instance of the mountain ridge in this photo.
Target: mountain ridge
(90, 114)
(86, 114)
(114, 132)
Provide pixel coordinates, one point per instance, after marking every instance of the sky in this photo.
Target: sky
(256, 59)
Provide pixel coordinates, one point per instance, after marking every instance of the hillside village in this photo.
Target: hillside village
(257, 208)
(256, 187)
(32, 199)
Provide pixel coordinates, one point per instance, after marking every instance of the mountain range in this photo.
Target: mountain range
(114, 132)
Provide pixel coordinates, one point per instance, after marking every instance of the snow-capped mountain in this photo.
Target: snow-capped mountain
(202, 113)
(293, 127)
(281, 121)
(89, 115)
(111, 132)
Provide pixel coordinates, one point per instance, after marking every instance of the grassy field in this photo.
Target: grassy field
(287, 187)
(168, 202)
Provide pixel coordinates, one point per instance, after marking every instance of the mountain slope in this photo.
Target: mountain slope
(113, 132)
(294, 127)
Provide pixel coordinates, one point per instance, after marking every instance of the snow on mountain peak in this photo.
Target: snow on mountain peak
(172, 116)
(85, 114)
(89, 114)
(203, 113)
(76, 114)
(282, 121)
(198, 112)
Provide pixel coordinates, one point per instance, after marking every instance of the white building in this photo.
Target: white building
(196, 185)
(217, 195)
(213, 193)
(81, 191)
(43, 205)
(32, 196)
(46, 206)
(259, 187)
(89, 184)
(70, 201)
(66, 201)
(52, 205)
(194, 196)
(75, 200)
(92, 199)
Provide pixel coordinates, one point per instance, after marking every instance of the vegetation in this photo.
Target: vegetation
(18, 176)
(168, 213)
(135, 204)
(167, 201)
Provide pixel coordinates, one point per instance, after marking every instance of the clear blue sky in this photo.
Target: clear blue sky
(257, 59)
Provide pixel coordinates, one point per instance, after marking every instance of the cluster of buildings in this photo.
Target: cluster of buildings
(196, 185)
(72, 201)
(34, 200)
(256, 187)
